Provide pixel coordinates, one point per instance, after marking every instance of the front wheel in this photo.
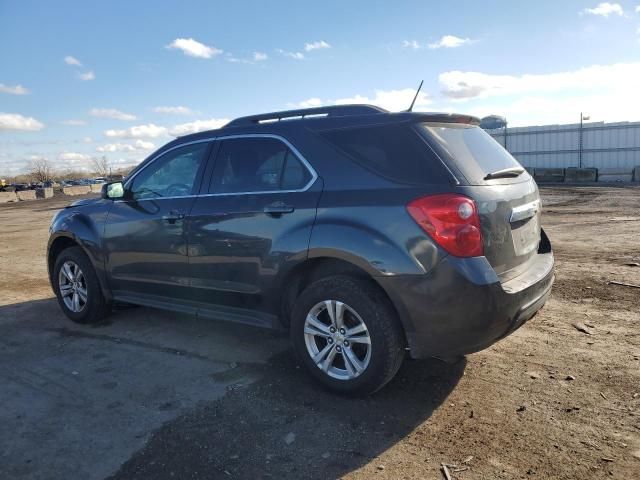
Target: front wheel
(77, 287)
(347, 335)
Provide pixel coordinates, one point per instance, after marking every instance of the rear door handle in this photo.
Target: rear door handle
(278, 208)
(173, 216)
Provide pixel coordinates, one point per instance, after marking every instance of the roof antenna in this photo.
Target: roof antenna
(414, 98)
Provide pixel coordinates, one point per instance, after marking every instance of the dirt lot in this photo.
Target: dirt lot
(158, 395)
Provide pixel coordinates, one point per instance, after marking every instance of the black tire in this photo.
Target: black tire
(386, 335)
(96, 306)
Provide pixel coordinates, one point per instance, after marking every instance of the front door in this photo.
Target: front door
(145, 242)
(254, 220)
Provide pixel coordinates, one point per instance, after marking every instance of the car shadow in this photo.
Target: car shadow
(271, 420)
(286, 426)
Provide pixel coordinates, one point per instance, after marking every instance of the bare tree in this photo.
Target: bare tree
(40, 170)
(101, 166)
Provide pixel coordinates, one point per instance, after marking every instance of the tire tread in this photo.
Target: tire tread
(98, 307)
(384, 320)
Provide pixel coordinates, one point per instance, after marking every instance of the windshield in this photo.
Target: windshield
(475, 152)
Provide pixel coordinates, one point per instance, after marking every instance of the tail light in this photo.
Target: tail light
(452, 221)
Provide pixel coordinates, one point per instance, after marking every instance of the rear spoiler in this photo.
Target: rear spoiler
(445, 118)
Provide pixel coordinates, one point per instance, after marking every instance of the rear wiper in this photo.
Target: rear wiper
(505, 173)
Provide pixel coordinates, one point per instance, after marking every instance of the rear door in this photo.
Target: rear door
(507, 196)
(253, 220)
(144, 237)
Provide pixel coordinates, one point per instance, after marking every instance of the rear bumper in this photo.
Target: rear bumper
(461, 307)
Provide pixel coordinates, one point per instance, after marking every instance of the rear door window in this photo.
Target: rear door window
(474, 152)
(395, 152)
(247, 165)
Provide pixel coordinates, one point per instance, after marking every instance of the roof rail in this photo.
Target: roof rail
(331, 111)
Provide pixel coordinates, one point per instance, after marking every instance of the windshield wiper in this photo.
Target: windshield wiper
(505, 173)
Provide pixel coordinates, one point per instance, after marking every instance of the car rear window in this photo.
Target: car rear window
(395, 152)
(474, 152)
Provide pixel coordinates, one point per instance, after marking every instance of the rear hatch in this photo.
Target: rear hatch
(507, 197)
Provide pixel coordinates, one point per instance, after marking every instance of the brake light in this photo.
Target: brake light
(452, 221)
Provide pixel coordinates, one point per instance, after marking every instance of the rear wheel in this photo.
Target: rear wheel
(77, 287)
(347, 335)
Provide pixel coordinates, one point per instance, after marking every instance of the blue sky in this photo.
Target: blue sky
(80, 79)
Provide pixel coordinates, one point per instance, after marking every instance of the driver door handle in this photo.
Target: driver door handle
(278, 208)
(173, 216)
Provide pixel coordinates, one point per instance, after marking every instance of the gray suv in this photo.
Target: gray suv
(368, 235)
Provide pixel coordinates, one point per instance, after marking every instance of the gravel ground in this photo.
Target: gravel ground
(174, 397)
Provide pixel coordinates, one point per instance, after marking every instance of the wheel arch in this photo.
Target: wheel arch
(56, 246)
(313, 269)
(64, 240)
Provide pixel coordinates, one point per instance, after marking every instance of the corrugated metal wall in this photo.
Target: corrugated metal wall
(604, 145)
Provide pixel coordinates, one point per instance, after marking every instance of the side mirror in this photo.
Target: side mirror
(113, 190)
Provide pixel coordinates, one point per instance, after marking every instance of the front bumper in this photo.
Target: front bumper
(461, 307)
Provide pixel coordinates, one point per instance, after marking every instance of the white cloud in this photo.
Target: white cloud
(87, 75)
(139, 131)
(393, 100)
(605, 92)
(16, 90)
(144, 145)
(232, 59)
(255, 57)
(73, 161)
(15, 121)
(609, 106)
(638, 9)
(309, 103)
(450, 41)
(259, 57)
(316, 46)
(464, 85)
(73, 156)
(115, 147)
(177, 110)
(294, 55)
(193, 48)
(308, 47)
(111, 113)
(411, 44)
(197, 126)
(604, 9)
(69, 60)
(73, 123)
(126, 147)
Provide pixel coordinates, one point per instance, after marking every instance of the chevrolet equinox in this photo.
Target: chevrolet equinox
(367, 234)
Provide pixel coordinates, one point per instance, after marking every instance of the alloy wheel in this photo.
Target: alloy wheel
(337, 340)
(73, 286)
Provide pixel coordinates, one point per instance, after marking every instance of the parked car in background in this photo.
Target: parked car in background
(366, 234)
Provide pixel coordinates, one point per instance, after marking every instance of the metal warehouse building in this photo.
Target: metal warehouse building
(592, 145)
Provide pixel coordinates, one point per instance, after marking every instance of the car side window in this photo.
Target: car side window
(171, 175)
(245, 165)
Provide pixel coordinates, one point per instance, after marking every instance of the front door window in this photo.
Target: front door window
(172, 175)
